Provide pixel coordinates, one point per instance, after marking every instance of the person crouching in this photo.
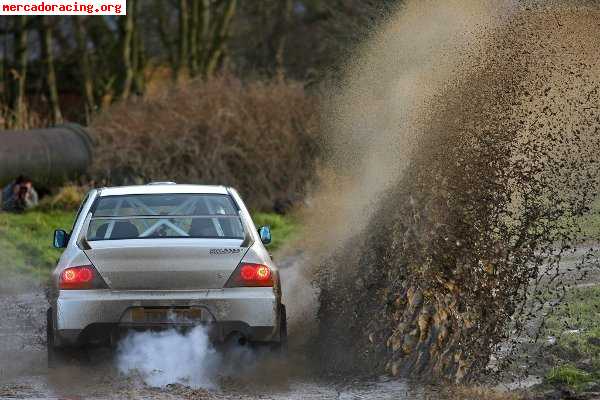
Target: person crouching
(19, 195)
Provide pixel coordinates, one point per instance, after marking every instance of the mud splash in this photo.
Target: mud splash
(465, 148)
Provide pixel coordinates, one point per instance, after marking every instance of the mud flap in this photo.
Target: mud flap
(59, 356)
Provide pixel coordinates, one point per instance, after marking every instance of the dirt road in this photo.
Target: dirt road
(24, 375)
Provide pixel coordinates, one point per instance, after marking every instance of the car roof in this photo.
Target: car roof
(158, 188)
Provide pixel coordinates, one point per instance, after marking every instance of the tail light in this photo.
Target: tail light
(81, 277)
(251, 275)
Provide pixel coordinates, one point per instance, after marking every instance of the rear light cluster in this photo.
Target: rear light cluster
(251, 275)
(81, 277)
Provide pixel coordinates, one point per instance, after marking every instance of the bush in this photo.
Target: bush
(67, 198)
(259, 137)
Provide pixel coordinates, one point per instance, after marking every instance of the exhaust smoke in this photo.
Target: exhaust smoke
(190, 359)
(170, 357)
(186, 358)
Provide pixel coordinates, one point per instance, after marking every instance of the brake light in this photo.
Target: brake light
(251, 275)
(81, 277)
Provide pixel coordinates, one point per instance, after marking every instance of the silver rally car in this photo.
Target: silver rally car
(164, 255)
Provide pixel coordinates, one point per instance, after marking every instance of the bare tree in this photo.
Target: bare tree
(87, 82)
(18, 74)
(138, 55)
(219, 34)
(204, 29)
(162, 15)
(4, 66)
(45, 33)
(192, 38)
(127, 34)
(284, 20)
(195, 35)
(182, 51)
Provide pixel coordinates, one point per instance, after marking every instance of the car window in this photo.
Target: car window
(165, 216)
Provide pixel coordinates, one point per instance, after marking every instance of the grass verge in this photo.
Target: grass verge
(574, 329)
(283, 228)
(26, 241)
(590, 223)
(571, 376)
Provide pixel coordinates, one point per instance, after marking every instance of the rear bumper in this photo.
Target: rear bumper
(82, 316)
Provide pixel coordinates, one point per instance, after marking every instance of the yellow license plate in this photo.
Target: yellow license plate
(165, 315)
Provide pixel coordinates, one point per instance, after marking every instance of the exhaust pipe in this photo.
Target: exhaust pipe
(235, 339)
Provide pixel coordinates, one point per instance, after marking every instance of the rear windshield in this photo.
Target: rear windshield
(165, 216)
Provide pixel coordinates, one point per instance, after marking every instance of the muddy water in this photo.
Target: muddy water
(23, 372)
(24, 375)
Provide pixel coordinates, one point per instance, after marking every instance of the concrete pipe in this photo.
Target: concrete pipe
(48, 156)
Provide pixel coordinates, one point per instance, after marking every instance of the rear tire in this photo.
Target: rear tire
(54, 356)
(282, 346)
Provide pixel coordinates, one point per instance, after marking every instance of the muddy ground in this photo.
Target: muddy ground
(24, 373)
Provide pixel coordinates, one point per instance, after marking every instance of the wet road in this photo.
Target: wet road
(24, 375)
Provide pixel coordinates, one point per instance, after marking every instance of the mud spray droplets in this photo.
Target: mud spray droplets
(465, 141)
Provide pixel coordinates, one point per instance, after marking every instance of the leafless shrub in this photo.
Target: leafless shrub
(68, 197)
(260, 137)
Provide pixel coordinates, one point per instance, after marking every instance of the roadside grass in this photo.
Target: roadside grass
(571, 376)
(575, 325)
(26, 239)
(283, 228)
(590, 224)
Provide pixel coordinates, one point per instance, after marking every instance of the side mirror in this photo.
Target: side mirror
(265, 234)
(61, 238)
